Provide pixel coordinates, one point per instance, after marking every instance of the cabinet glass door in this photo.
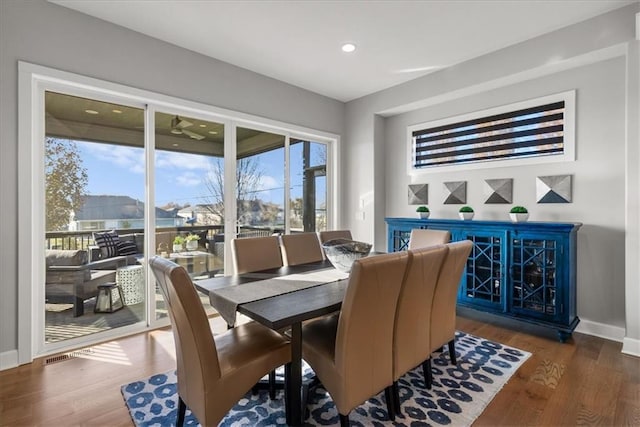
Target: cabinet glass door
(534, 270)
(482, 282)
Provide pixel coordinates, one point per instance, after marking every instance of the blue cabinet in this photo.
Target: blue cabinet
(526, 271)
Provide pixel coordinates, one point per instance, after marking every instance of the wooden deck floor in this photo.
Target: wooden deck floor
(586, 381)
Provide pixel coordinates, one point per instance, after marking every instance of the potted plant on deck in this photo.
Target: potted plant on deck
(178, 241)
(192, 242)
(423, 211)
(466, 212)
(519, 214)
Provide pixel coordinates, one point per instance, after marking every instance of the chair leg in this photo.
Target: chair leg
(396, 397)
(182, 409)
(428, 375)
(391, 407)
(272, 384)
(452, 351)
(287, 395)
(344, 420)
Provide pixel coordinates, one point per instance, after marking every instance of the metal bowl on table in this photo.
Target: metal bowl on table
(343, 252)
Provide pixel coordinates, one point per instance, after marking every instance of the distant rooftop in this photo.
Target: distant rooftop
(115, 207)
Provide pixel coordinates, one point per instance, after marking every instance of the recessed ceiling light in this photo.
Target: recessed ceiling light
(91, 111)
(117, 111)
(213, 132)
(348, 47)
(203, 126)
(175, 145)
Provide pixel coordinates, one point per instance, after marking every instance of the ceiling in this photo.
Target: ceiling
(83, 119)
(299, 41)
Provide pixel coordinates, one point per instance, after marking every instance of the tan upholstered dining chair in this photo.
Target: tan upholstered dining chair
(443, 309)
(301, 248)
(351, 351)
(422, 238)
(412, 344)
(334, 234)
(256, 253)
(213, 372)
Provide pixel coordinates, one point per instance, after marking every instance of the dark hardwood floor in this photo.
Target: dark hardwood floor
(586, 381)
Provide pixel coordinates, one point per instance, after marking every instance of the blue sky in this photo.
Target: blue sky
(180, 177)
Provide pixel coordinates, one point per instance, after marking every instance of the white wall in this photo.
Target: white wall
(46, 34)
(631, 343)
(598, 177)
(590, 56)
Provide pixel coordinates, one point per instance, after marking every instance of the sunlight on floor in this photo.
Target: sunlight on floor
(110, 352)
(164, 338)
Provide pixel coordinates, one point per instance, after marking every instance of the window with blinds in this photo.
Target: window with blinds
(537, 128)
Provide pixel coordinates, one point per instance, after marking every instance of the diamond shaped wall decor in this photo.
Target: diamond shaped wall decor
(456, 192)
(498, 190)
(418, 194)
(553, 189)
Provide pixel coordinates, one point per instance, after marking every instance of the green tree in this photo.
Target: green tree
(65, 182)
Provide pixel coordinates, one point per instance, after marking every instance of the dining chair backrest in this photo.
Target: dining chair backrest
(443, 312)
(214, 373)
(334, 234)
(412, 343)
(422, 238)
(196, 356)
(256, 253)
(301, 248)
(364, 337)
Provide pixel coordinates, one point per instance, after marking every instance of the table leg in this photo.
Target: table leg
(294, 415)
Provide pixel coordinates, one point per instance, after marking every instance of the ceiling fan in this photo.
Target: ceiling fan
(178, 126)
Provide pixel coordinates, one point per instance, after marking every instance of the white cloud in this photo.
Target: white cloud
(131, 158)
(269, 183)
(170, 160)
(188, 179)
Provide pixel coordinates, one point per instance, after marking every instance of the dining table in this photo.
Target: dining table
(321, 291)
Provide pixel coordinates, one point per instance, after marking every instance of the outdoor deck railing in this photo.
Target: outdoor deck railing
(84, 239)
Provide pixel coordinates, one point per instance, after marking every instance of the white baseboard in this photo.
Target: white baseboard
(602, 330)
(8, 359)
(631, 346)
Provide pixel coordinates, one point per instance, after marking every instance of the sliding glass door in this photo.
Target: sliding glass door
(189, 196)
(94, 212)
(118, 178)
(308, 185)
(259, 184)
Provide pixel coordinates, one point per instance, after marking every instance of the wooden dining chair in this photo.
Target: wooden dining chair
(422, 238)
(256, 253)
(213, 372)
(443, 310)
(334, 234)
(351, 351)
(301, 248)
(412, 344)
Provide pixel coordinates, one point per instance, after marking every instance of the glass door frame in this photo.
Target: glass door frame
(33, 81)
(38, 228)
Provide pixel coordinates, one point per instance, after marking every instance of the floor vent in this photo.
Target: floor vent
(67, 356)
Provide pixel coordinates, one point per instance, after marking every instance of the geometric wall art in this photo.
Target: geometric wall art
(498, 190)
(553, 189)
(418, 194)
(456, 193)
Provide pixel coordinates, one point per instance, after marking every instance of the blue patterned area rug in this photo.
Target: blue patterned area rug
(458, 396)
